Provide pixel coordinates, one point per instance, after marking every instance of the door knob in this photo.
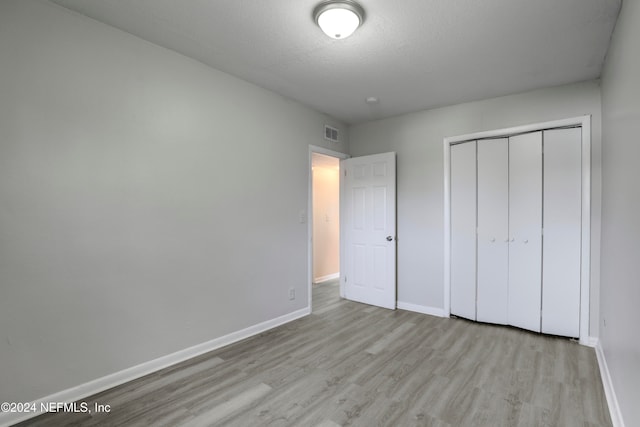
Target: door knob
(389, 238)
(493, 240)
(526, 241)
(513, 238)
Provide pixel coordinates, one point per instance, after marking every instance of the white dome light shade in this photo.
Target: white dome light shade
(338, 19)
(338, 23)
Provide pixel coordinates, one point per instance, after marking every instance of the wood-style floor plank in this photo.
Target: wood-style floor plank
(350, 364)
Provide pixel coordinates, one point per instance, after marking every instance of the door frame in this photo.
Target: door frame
(585, 256)
(340, 156)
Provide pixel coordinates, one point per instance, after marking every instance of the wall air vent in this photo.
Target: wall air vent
(331, 134)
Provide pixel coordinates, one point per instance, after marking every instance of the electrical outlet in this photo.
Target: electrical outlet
(292, 294)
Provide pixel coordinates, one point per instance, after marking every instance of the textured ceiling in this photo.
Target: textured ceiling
(411, 54)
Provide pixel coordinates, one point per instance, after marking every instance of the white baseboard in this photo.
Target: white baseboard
(424, 309)
(326, 278)
(590, 342)
(81, 391)
(612, 400)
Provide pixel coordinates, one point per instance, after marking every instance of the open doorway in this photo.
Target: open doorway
(325, 183)
(324, 209)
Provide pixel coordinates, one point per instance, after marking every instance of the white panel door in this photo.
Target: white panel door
(463, 230)
(562, 232)
(493, 230)
(370, 229)
(525, 230)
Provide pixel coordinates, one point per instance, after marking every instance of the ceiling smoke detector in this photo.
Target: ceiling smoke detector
(338, 18)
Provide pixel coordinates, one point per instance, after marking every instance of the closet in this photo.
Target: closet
(516, 208)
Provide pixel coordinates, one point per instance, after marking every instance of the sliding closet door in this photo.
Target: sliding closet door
(493, 230)
(525, 228)
(562, 232)
(463, 230)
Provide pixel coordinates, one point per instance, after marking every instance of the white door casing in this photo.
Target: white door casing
(370, 229)
(560, 236)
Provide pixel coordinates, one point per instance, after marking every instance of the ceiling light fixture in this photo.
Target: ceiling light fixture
(338, 18)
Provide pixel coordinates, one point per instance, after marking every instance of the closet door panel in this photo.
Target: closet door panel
(493, 230)
(463, 230)
(562, 232)
(525, 227)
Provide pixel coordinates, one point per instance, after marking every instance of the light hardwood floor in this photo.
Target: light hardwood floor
(353, 364)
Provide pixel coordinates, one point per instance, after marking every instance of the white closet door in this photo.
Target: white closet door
(463, 230)
(525, 228)
(562, 232)
(493, 230)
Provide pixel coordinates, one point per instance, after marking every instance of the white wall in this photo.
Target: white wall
(418, 141)
(621, 211)
(149, 203)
